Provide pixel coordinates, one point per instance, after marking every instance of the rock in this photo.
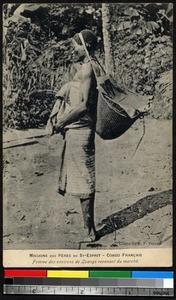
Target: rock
(7, 235)
(70, 212)
(38, 173)
(151, 189)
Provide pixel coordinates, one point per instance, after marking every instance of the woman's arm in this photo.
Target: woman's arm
(78, 111)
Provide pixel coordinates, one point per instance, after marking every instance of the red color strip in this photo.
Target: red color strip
(25, 273)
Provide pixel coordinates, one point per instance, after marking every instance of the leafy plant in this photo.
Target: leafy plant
(36, 51)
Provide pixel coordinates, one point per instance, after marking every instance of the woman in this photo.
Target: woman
(77, 174)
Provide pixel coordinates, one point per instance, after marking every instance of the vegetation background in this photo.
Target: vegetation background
(134, 43)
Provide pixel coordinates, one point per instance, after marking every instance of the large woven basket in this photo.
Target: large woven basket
(117, 109)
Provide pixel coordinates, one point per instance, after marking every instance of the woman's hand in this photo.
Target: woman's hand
(58, 127)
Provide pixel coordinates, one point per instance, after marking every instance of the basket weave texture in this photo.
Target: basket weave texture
(116, 108)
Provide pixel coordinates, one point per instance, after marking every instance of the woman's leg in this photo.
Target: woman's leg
(87, 205)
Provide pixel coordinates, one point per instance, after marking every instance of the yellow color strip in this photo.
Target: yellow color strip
(67, 274)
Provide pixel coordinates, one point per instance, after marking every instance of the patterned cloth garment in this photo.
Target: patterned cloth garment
(77, 172)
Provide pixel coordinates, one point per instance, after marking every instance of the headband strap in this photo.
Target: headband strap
(87, 52)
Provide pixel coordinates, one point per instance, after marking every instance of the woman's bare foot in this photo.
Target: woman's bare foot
(89, 238)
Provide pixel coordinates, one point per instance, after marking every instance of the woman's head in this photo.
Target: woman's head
(90, 40)
(89, 37)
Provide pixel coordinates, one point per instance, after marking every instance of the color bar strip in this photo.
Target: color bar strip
(101, 282)
(68, 274)
(8, 281)
(110, 274)
(25, 273)
(153, 274)
(169, 283)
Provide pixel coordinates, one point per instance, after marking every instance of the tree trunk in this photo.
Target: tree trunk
(108, 47)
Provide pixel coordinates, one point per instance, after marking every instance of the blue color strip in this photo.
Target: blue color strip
(152, 274)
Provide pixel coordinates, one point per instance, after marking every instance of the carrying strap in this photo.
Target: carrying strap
(140, 138)
(88, 55)
(100, 65)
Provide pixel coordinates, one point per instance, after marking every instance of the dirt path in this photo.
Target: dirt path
(36, 217)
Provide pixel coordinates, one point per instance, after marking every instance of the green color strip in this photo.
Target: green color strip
(110, 274)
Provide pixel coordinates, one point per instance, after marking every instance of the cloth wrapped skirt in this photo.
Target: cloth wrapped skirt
(77, 172)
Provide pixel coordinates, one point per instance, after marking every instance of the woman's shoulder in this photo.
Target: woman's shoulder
(90, 67)
(87, 66)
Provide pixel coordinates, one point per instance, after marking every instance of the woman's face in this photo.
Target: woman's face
(78, 52)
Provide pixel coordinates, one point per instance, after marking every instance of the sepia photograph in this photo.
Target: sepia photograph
(87, 129)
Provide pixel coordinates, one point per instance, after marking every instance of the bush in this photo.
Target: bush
(31, 112)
